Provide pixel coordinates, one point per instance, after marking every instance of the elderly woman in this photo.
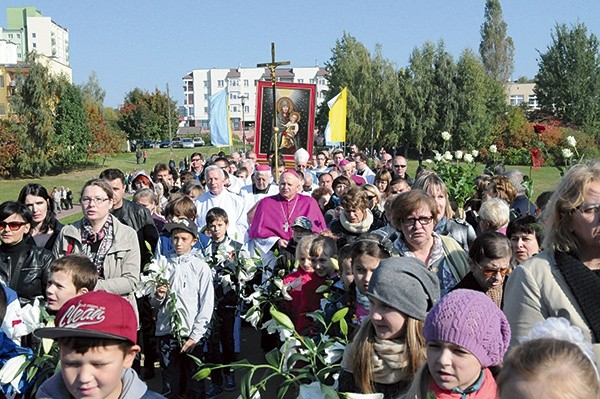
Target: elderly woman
(355, 217)
(414, 213)
(526, 236)
(494, 215)
(24, 267)
(489, 261)
(45, 226)
(111, 245)
(446, 225)
(563, 279)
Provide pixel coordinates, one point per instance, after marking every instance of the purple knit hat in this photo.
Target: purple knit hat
(470, 319)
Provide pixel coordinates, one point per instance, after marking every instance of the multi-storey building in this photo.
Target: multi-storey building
(240, 84)
(31, 31)
(10, 68)
(522, 93)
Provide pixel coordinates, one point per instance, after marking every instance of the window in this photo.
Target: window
(33, 35)
(532, 103)
(246, 108)
(18, 35)
(10, 35)
(220, 83)
(190, 99)
(234, 108)
(190, 85)
(246, 83)
(206, 96)
(206, 110)
(300, 80)
(517, 99)
(1, 81)
(34, 45)
(313, 81)
(206, 83)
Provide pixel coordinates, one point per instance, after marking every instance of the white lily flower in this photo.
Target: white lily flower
(475, 153)
(438, 157)
(446, 136)
(458, 154)
(468, 158)
(567, 153)
(9, 373)
(311, 391)
(448, 156)
(272, 327)
(333, 353)
(493, 149)
(571, 141)
(252, 317)
(428, 160)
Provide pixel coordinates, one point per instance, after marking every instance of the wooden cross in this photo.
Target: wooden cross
(272, 67)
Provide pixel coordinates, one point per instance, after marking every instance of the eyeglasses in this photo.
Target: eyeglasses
(96, 200)
(423, 221)
(400, 166)
(196, 160)
(12, 226)
(589, 209)
(370, 197)
(491, 273)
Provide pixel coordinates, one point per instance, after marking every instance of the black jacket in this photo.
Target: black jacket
(29, 275)
(139, 218)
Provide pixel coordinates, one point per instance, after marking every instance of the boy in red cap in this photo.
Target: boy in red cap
(96, 333)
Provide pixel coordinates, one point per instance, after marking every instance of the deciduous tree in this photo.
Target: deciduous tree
(496, 48)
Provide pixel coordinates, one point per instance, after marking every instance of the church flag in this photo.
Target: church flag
(337, 116)
(220, 124)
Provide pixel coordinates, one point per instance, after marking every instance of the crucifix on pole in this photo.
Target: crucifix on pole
(272, 67)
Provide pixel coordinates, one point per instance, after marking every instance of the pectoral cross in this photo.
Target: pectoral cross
(286, 226)
(272, 67)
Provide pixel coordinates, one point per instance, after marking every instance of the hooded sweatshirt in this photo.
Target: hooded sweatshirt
(133, 388)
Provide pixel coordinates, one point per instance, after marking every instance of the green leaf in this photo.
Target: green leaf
(339, 315)
(202, 374)
(282, 319)
(344, 327)
(273, 357)
(322, 288)
(329, 392)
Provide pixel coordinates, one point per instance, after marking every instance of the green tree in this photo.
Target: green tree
(145, 115)
(480, 102)
(445, 95)
(92, 92)
(568, 80)
(33, 104)
(496, 48)
(71, 137)
(106, 140)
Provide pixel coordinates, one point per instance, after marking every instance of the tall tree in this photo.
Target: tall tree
(568, 80)
(92, 92)
(71, 137)
(106, 141)
(33, 122)
(496, 48)
(145, 116)
(444, 92)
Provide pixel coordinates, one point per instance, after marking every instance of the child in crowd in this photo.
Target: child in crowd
(70, 276)
(389, 348)
(296, 280)
(148, 198)
(190, 279)
(466, 334)
(221, 343)
(179, 208)
(96, 334)
(367, 251)
(192, 189)
(538, 367)
(301, 227)
(345, 261)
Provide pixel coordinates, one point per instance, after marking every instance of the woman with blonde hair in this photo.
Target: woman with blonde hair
(389, 347)
(375, 205)
(563, 279)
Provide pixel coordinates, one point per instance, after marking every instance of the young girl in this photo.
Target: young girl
(537, 368)
(389, 347)
(296, 280)
(367, 251)
(466, 334)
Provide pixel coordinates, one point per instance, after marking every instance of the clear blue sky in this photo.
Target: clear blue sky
(149, 43)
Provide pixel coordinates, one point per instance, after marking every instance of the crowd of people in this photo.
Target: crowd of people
(497, 301)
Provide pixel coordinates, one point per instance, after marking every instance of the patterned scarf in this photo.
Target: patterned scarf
(105, 237)
(390, 363)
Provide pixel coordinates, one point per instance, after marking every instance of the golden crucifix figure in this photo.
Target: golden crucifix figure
(272, 67)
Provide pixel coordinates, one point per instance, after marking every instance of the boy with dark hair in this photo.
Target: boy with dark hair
(190, 280)
(70, 276)
(96, 333)
(221, 343)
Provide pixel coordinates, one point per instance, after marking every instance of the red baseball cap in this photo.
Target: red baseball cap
(96, 314)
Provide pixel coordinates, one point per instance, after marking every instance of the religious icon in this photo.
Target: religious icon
(295, 113)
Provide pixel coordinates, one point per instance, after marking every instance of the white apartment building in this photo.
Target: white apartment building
(33, 32)
(240, 83)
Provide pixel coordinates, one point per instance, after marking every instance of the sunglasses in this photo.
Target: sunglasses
(12, 226)
(492, 273)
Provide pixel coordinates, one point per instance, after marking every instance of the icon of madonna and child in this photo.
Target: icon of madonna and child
(287, 121)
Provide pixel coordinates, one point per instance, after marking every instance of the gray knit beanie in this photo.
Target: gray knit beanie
(405, 284)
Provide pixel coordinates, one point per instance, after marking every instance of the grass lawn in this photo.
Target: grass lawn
(544, 178)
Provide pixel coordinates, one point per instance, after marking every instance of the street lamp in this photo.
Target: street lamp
(243, 97)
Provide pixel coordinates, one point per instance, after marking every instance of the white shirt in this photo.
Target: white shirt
(232, 204)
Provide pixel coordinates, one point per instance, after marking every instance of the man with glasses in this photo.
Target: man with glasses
(197, 166)
(399, 166)
(321, 166)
